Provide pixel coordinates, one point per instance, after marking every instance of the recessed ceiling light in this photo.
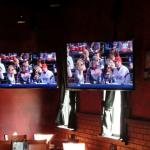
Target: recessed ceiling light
(54, 5)
(21, 20)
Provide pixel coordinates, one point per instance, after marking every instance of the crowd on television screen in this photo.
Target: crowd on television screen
(100, 62)
(28, 68)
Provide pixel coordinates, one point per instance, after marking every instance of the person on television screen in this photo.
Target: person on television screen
(110, 60)
(107, 76)
(47, 76)
(95, 47)
(16, 64)
(79, 71)
(69, 72)
(36, 74)
(70, 63)
(94, 72)
(36, 78)
(108, 46)
(51, 57)
(121, 73)
(24, 57)
(39, 63)
(130, 46)
(2, 66)
(10, 77)
(126, 46)
(116, 46)
(1, 76)
(101, 59)
(70, 59)
(24, 76)
(86, 58)
(28, 66)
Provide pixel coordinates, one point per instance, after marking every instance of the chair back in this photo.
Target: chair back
(73, 146)
(37, 145)
(47, 137)
(15, 137)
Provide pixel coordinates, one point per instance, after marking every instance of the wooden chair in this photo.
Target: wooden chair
(40, 136)
(15, 137)
(37, 145)
(74, 146)
(19, 145)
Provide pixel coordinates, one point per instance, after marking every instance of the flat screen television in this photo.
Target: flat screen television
(28, 70)
(100, 65)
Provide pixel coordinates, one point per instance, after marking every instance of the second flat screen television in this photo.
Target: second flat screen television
(28, 70)
(100, 65)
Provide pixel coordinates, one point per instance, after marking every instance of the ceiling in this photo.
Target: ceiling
(33, 3)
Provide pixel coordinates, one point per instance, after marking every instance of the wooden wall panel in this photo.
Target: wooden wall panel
(88, 131)
(27, 111)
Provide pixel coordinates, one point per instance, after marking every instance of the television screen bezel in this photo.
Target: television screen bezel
(94, 87)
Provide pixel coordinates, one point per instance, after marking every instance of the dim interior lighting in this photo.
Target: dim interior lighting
(40, 136)
(73, 146)
(15, 133)
(54, 5)
(6, 137)
(64, 127)
(21, 20)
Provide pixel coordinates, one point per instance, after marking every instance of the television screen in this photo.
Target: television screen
(100, 65)
(33, 70)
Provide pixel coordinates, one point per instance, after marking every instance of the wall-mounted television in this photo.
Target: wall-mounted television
(100, 65)
(28, 70)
